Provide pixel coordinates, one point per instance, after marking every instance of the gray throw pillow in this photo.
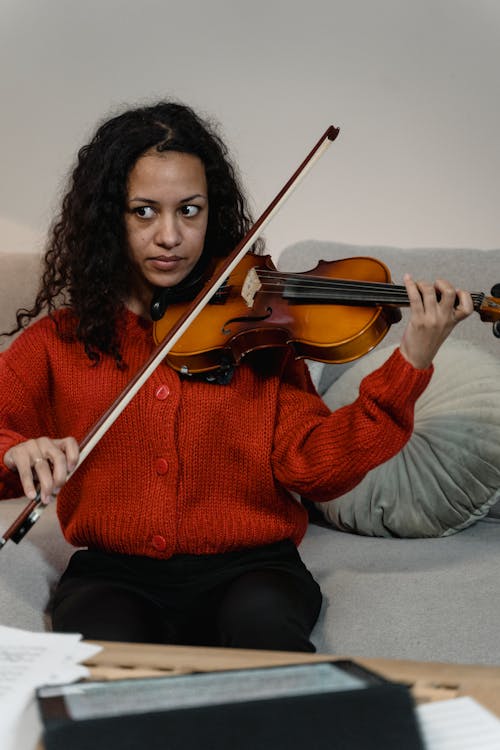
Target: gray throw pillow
(448, 474)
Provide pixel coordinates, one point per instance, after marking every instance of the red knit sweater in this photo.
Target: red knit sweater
(191, 467)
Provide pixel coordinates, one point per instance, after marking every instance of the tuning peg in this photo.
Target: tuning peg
(496, 326)
(495, 290)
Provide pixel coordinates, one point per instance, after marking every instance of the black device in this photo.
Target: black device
(319, 706)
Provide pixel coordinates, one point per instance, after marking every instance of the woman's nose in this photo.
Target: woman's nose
(168, 232)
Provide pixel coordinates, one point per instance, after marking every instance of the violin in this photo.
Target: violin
(334, 313)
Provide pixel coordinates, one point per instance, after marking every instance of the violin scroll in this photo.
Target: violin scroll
(489, 309)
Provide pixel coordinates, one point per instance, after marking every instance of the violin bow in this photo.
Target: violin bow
(31, 513)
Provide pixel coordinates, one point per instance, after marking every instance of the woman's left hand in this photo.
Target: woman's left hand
(431, 319)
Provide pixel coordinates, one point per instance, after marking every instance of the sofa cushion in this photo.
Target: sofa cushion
(448, 474)
(419, 599)
(30, 570)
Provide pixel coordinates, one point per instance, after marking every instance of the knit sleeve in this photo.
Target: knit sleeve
(24, 397)
(322, 455)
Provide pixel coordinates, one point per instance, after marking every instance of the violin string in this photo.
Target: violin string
(317, 282)
(283, 278)
(309, 286)
(342, 289)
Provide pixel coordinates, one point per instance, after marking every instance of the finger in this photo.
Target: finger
(27, 482)
(53, 465)
(448, 294)
(33, 467)
(63, 455)
(71, 450)
(9, 460)
(42, 469)
(19, 459)
(465, 305)
(413, 292)
(60, 458)
(429, 296)
(22, 458)
(48, 465)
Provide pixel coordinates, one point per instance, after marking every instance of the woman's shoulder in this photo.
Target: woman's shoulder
(44, 331)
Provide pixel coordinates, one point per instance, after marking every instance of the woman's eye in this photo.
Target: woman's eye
(190, 210)
(144, 212)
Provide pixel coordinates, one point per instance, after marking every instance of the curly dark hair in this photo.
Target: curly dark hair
(86, 263)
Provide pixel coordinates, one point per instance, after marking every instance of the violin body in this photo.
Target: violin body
(228, 328)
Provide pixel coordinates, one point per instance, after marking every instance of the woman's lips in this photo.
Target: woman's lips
(164, 263)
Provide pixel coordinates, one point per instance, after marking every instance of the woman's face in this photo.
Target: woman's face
(166, 220)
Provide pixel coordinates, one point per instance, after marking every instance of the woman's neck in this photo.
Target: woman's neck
(139, 306)
(139, 298)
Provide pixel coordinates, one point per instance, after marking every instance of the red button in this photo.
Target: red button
(159, 542)
(162, 392)
(161, 466)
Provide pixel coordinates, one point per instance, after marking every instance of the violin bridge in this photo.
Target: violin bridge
(251, 286)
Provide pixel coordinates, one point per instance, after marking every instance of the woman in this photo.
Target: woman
(185, 506)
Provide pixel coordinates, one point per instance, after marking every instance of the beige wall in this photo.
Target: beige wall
(414, 87)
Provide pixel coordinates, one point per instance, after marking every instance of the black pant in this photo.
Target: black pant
(258, 598)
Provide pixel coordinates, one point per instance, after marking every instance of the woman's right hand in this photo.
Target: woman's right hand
(46, 460)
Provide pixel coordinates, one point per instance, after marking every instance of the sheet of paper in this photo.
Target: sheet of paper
(27, 661)
(458, 724)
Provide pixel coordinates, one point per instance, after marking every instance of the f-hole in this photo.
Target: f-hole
(246, 319)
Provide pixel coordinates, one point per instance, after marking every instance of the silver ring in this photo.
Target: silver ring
(37, 461)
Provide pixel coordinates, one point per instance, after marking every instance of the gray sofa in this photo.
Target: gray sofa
(413, 598)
